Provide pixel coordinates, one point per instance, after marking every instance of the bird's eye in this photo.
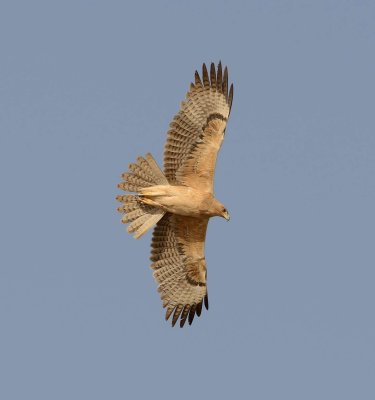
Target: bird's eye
(225, 210)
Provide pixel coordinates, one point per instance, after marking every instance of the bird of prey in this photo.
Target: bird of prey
(180, 200)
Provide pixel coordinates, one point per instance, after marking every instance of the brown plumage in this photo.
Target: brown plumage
(180, 200)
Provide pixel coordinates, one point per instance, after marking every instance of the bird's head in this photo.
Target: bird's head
(225, 213)
(219, 209)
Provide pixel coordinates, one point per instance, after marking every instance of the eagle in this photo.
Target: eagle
(180, 200)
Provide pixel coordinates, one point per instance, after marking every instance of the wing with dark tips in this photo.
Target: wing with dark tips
(179, 266)
(197, 130)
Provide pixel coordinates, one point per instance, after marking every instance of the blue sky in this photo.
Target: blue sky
(86, 87)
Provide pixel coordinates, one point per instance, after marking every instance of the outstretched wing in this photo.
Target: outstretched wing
(179, 265)
(197, 130)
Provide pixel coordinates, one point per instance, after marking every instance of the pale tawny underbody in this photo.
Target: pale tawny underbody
(183, 200)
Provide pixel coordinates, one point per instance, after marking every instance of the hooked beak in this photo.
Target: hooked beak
(226, 215)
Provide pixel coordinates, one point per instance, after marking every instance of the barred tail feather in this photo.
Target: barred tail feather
(144, 173)
(140, 216)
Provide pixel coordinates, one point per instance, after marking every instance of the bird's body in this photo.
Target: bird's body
(180, 200)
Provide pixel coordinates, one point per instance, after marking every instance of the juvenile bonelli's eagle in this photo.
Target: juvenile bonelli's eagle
(180, 200)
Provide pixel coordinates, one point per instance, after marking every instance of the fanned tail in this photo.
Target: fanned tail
(140, 216)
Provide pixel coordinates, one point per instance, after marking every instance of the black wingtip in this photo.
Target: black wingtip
(176, 314)
(230, 97)
(197, 79)
(192, 313)
(206, 81)
(213, 75)
(168, 313)
(206, 301)
(184, 315)
(225, 83)
(199, 309)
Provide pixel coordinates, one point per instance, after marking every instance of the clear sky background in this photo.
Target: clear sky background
(86, 87)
